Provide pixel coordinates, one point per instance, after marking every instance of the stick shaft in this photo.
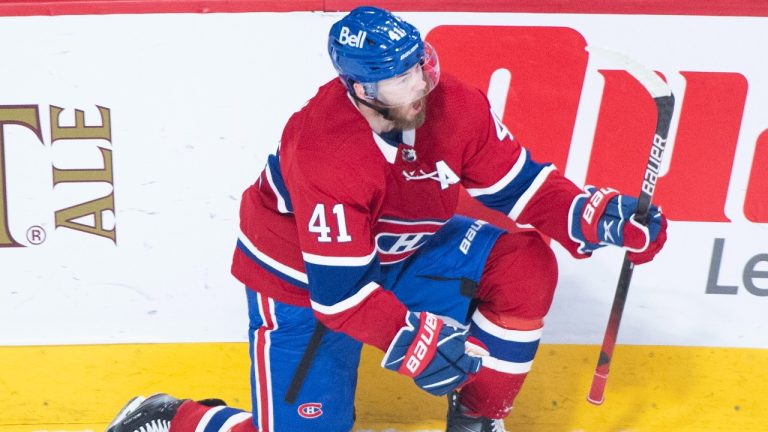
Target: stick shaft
(665, 107)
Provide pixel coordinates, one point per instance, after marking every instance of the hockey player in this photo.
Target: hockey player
(352, 224)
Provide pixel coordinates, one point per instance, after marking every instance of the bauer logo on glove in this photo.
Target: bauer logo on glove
(602, 217)
(432, 353)
(423, 348)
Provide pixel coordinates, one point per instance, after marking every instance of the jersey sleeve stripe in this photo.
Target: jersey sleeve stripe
(270, 263)
(280, 201)
(412, 222)
(531, 191)
(348, 303)
(277, 184)
(339, 261)
(507, 179)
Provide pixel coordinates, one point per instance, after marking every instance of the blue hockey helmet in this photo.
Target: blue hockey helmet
(370, 45)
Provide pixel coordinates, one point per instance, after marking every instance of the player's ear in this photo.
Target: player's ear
(359, 90)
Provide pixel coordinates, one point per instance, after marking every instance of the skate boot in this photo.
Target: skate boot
(458, 421)
(152, 414)
(146, 414)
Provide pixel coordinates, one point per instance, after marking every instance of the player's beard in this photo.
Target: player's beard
(403, 118)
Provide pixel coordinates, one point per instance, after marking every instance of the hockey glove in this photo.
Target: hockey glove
(432, 353)
(602, 217)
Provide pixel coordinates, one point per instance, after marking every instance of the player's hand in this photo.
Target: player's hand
(603, 216)
(432, 353)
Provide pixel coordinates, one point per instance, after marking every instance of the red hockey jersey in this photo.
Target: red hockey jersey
(337, 201)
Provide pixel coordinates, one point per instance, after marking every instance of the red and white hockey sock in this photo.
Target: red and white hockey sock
(196, 417)
(493, 391)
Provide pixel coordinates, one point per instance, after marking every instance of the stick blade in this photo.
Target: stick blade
(652, 82)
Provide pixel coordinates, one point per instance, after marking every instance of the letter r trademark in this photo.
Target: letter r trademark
(22, 115)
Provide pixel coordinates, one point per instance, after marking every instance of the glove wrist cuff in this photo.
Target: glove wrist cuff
(594, 208)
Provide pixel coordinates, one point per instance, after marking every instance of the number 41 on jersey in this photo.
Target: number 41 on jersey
(318, 224)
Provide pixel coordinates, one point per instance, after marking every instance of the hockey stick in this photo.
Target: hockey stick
(665, 104)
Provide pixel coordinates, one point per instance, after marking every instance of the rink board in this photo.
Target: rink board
(651, 388)
(124, 153)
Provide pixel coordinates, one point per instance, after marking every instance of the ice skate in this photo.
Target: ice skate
(460, 422)
(146, 414)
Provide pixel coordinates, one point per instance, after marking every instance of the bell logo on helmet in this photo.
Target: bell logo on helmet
(355, 40)
(370, 44)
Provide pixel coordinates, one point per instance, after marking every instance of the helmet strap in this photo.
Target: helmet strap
(385, 112)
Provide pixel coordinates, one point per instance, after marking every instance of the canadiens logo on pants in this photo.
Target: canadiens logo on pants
(311, 410)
